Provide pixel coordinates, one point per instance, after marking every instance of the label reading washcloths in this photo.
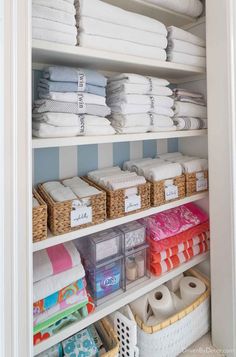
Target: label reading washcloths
(171, 191)
(132, 203)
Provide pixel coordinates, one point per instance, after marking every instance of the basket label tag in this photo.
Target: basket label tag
(81, 104)
(81, 82)
(80, 215)
(171, 192)
(201, 184)
(132, 203)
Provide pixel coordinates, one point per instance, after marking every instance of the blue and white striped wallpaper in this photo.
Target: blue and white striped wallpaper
(59, 163)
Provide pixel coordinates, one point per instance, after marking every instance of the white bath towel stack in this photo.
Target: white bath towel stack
(106, 27)
(54, 21)
(185, 48)
(193, 8)
(140, 103)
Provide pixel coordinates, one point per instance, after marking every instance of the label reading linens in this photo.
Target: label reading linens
(81, 215)
(201, 184)
(171, 192)
(132, 203)
(81, 82)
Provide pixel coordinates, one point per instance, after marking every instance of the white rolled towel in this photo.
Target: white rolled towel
(62, 194)
(128, 164)
(195, 165)
(164, 172)
(75, 182)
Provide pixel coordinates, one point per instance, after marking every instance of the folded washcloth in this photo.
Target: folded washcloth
(47, 105)
(45, 86)
(75, 182)
(133, 88)
(125, 109)
(179, 34)
(53, 36)
(96, 174)
(87, 191)
(80, 76)
(121, 46)
(41, 130)
(98, 27)
(58, 5)
(128, 164)
(45, 24)
(72, 97)
(52, 185)
(126, 183)
(35, 203)
(192, 8)
(115, 15)
(69, 119)
(185, 47)
(116, 178)
(183, 58)
(54, 260)
(62, 194)
(131, 78)
(182, 109)
(139, 99)
(47, 13)
(164, 172)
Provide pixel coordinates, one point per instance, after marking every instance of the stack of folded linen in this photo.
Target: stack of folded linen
(176, 236)
(185, 48)
(190, 110)
(155, 169)
(105, 27)
(54, 21)
(193, 8)
(113, 178)
(72, 102)
(59, 285)
(190, 164)
(140, 104)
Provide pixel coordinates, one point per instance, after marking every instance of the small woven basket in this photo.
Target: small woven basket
(39, 219)
(109, 337)
(116, 199)
(158, 196)
(192, 186)
(59, 213)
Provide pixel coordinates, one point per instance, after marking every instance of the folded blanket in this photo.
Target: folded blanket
(185, 47)
(190, 110)
(121, 46)
(163, 172)
(179, 34)
(178, 93)
(197, 101)
(45, 24)
(77, 75)
(183, 58)
(190, 123)
(133, 88)
(69, 119)
(57, 5)
(174, 221)
(47, 105)
(139, 100)
(92, 26)
(192, 8)
(144, 119)
(123, 108)
(45, 12)
(46, 86)
(169, 252)
(59, 296)
(50, 285)
(53, 36)
(115, 15)
(176, 260)
(54, 260)
(72, 97)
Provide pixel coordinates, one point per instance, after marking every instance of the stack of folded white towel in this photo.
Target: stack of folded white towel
(154, 169)
(190, 164)
(185, 48)
(114, 178)
(72, 102)
(190, 110)
(193, 8)
(106, 27)
(140, 103)
(54, 21)
(70, 189)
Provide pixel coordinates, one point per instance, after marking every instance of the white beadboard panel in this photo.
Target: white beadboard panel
(105, 155)
(68, 162)
(136, 150)
(162, 146)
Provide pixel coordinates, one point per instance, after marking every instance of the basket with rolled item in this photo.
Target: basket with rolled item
(126, 192)
(73, 204)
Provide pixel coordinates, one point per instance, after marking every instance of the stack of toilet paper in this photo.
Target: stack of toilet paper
(167, 300)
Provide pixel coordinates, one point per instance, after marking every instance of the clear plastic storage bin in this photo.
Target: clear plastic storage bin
(134, 235)
(136, 269)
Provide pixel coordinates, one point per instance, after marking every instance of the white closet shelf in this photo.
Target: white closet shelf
(117, 302)
(45, 52)
(54, 240)
(103, 139)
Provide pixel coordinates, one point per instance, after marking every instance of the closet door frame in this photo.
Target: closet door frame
(16, 193)
(221, 75)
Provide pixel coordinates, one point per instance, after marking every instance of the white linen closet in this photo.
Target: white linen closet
(28, 162)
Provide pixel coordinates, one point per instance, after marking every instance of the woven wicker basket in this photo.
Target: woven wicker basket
(109, 337)
(174, 335)
(116, 199)
(158, 196)
(191, 182)
(39, 219)
(59, 213)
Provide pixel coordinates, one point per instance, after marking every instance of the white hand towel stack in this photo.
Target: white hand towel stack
(190, 164)
(190, 110)
(140, 104)
(106, 27)
(193, 8)
(54, 21)
(185, 48)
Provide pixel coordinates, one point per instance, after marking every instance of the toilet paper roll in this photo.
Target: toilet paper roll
(178, 302)
(161, 302)
(173, 284)
(131, 271)
(141, 308)
(140, 261)
(190, 289)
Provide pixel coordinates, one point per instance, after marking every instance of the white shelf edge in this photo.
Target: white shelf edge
(117, 302)
(85, 140)
(54, 240)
